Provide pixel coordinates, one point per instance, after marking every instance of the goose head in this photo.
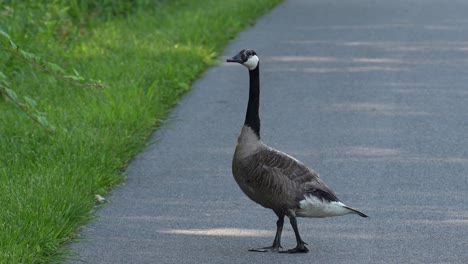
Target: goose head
(246, 57)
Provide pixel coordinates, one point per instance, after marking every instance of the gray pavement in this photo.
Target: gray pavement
(371, 94)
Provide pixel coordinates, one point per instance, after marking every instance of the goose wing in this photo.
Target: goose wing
(299, 180)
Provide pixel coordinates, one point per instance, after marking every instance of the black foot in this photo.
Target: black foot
(266, 249)
(301, 248)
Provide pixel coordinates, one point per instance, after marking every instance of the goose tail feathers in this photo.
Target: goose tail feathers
(357, 212)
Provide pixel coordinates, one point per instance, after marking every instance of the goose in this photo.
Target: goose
(274, 179)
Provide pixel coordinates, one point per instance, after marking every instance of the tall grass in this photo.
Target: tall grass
(147, 54)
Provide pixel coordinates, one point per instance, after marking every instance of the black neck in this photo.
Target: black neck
(252, 118)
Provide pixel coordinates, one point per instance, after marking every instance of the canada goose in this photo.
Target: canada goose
(274, 179)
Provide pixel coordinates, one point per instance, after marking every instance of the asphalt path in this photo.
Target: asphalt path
(371, 94)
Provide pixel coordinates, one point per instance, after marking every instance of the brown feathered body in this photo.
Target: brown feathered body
(280, 182)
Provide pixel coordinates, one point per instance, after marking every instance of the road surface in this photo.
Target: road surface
(371, 94)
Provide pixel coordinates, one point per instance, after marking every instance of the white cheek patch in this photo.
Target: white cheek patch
(251, 63)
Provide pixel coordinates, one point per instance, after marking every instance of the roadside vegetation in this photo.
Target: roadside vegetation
(61, 142)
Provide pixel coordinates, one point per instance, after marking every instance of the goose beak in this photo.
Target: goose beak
(236, 58)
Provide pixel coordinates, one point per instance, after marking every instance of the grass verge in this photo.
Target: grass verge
(147, 60)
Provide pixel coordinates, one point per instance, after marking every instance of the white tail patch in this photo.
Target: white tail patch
(313, 206)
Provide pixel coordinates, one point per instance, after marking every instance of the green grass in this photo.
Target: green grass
(147, 57)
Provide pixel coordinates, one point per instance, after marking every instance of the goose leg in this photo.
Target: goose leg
(277, 242)
(300, 248)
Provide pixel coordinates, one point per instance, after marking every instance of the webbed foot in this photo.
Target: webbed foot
(301, 248)
(266, 249)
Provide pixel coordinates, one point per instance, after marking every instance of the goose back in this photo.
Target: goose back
(272, 178)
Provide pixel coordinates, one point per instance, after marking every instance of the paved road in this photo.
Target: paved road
(372, 94)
